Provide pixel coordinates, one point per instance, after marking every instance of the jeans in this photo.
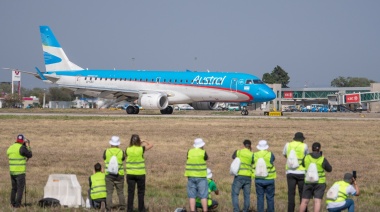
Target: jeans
(117, 182)
(18, 185)
(293, 181)
(197, 187)
(265, 187)
(132, 180)
(241, 182)
(350, 205)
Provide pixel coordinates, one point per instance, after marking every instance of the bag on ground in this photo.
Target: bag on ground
(235, 166)
(332, 193)
(113, 166)
(261, 168)
(49, 202)
(312, 173)
(292, 160)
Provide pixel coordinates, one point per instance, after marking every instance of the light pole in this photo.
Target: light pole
(43, 103)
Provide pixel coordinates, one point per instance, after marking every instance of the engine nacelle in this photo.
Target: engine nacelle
(153, 101)
(205, 105)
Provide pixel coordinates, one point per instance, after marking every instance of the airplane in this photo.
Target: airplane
(151, 89)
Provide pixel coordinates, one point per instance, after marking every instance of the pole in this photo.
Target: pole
(43, 105)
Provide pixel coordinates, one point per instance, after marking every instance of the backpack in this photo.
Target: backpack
(180, 209)
(332, 193)
(49, 202)
(235, 166)
(261, 168)
(312, 173)
(292, 160)
(113, 165)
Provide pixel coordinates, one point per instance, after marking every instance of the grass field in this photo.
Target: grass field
(72, 145)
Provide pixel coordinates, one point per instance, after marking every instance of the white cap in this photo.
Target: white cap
(198, 143)
(115, 141)
(209, 173)
(263, 145)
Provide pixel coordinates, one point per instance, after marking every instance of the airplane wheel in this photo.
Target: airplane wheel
(130, 110)
(163, 111)
(137, 110)
(169, 110)
(244, 112)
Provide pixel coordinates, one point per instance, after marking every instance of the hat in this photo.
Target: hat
(20, 138)
(247, 143)
(298, 136)
(209, 173)
(198, 143)
(316, 146)
(263, 145)
(115, 141)
(348, 177)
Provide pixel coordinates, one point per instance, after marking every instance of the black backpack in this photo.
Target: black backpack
(49, 202)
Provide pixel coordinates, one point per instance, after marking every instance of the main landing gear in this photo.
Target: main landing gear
(244, 111)
(133, 109)
(167, 110)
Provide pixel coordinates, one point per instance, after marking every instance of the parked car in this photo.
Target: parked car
(234, 107)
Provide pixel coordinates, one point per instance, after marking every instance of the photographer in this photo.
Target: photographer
(347, 187)
(18, 154)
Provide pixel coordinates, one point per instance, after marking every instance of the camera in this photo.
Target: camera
(354, 174)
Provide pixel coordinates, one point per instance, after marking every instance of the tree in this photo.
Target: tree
(13, 100)
(351, 82)
(278, 75)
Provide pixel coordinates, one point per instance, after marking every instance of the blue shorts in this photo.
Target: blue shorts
(197, 187)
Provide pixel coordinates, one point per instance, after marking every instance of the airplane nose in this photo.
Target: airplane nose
(266, 95)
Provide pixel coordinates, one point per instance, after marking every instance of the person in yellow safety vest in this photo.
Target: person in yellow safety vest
(135, 166)
(315, 190)
(347, 187)
(211, 204)
(196, 173)
(97, 184)
(296, 176)
(244, 178)
(114, 181)
(265, 185)
(18, 154)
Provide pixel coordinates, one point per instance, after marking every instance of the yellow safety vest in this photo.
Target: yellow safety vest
(196, 164)
(266, 155)
(17, 162)
(299, 148)
(245, 156)
(135, 163)
(98, 186)
(119, 154)
(321, 172)
(342, 194)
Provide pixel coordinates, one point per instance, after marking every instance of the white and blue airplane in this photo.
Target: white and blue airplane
(151, 89)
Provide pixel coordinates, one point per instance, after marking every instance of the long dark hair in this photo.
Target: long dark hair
(135, 140)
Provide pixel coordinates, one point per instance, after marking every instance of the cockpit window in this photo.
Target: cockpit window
(258, 82)
(248, 82)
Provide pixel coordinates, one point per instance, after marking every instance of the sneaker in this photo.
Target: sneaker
(102, 207)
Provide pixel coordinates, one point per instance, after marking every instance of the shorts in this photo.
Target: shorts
(313, 190)
(197, 187)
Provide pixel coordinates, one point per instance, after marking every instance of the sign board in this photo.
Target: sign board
(353, 98)
(16, 76)
(288, 94)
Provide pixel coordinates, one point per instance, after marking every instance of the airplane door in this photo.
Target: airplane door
(158, 80)
(233, 86)
(77, 80)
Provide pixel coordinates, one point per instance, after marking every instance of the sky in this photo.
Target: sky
(313, 41)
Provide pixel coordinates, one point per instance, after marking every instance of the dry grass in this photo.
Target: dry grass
(72, 145)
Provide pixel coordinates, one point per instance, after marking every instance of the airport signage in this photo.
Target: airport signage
(353, 98)
(288, 94)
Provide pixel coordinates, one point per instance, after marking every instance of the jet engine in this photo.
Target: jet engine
(153, 101)
(205, 105)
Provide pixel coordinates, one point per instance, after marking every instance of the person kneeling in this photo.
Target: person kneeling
(98, 192)
(211, 204)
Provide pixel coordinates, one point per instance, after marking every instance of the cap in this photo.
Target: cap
(348, 177)
(198, 143)
(20, 138)
(316, 146)
(209, 173)
(115, 141)
(298, 136)
(247, 143)
(263, 145)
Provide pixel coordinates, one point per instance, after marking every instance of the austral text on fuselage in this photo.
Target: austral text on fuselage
(198, 80)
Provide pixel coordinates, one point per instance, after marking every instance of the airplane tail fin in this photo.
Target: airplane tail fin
(54, 56)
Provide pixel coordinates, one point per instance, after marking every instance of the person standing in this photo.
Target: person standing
(114, 180)
(244, 178)
(317, 189)
(295, 176)
(196, 173)
(347, 187)
(98, 193)
(265, 184)
(211, 204)
(18, 154)
(135, 166)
